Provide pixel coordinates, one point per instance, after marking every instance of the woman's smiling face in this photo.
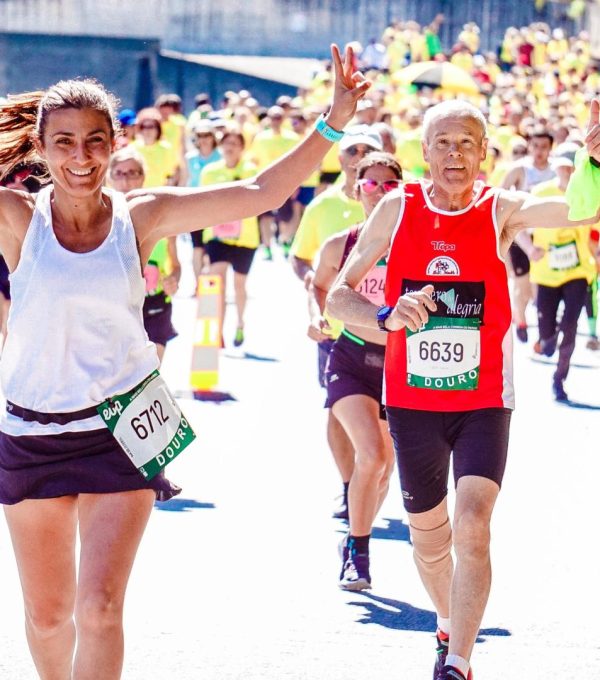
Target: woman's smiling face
(77, 145)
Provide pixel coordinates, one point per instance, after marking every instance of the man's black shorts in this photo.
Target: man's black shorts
(424, 440)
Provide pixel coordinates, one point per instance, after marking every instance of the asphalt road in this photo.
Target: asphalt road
(237, 578)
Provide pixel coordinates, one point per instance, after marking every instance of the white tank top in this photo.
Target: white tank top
(535, 176)
(75, 329)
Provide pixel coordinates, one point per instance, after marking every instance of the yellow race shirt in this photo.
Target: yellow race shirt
(242, 233)
(331, 160)
(160, 159)
(568, 255)
(409, 151)
(173, 131)
(268, 147)
(330, 212)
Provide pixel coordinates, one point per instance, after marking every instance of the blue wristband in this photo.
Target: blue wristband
(327, 131)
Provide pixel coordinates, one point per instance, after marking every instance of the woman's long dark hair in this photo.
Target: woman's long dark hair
(23, 117)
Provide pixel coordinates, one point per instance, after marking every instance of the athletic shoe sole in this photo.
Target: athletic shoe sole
(359, 584)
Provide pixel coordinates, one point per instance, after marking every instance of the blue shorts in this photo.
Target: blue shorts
(305, 195)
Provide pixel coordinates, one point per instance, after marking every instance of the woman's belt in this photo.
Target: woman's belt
(46, 418)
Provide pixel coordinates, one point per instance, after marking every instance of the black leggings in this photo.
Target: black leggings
(573, 295)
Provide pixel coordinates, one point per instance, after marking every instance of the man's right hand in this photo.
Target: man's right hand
(412, 310)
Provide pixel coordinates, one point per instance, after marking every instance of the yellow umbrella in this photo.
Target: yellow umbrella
(442, 74)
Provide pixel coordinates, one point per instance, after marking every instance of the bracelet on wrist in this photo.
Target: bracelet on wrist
(325, 130)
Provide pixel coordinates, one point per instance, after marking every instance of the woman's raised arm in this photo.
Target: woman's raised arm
(169, 211)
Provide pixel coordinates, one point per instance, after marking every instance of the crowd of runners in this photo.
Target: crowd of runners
(428, 227)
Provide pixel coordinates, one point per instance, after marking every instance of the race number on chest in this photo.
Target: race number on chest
(446, 353)
(563, 256)
(148, 424)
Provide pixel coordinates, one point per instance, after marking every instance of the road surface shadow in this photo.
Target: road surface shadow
(258, 357)
(213, 395)
(552, 362)
(396, 530)
(579, 404)
(182, 505)
(403, 616)
(250, 356)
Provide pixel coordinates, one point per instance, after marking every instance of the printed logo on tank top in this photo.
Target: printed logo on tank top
(445, 353)
(443, 266)
(443, 246)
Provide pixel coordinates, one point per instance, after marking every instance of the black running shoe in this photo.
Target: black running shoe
(355, 573)
(442, 652)
(451, 673)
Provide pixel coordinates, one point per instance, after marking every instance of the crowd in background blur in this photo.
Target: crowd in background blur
(537, 78)
(539, 81)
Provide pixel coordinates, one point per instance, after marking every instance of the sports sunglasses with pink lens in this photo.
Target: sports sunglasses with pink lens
(370, 186)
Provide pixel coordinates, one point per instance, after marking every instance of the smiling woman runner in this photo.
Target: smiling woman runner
(76, 340)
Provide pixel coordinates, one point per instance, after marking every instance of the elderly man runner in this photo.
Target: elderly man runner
(448, 368)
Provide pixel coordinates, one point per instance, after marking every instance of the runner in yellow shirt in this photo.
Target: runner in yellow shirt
(233, 243)
(267, 147)
(160, 159)
(173, 129)
(563, 266)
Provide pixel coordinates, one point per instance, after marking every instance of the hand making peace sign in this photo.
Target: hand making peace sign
(349, 87)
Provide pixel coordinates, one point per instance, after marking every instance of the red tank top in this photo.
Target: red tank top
(462, 359)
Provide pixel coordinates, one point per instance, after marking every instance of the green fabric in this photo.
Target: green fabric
(434, 46)
(583, 192)
(159, 259)
(354, 338)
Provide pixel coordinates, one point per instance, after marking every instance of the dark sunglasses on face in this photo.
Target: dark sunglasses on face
(353, 151)
(148, 126)
(127, 174)
(370, 186)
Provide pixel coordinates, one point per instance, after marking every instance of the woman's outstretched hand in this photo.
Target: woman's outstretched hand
(349, 87)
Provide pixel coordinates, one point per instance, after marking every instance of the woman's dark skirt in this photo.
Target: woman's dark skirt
(49, 466)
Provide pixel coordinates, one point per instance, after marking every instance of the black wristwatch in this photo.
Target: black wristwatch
(382, 315)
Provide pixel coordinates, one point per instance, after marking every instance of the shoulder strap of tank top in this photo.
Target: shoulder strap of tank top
(42, 203)
(351, 240)
(120, 210)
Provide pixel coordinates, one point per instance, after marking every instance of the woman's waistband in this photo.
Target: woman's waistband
(46, 418)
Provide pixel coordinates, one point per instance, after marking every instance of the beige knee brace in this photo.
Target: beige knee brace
(431, 548)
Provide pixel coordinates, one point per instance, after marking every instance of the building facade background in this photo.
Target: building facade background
(302, 28)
